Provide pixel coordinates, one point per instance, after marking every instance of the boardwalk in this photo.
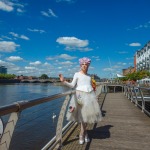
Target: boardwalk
(124, 127)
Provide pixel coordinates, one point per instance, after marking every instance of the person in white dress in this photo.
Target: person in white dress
(83, 106)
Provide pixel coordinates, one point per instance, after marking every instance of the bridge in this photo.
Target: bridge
(39, 81)
(125, 124)
(42, 80)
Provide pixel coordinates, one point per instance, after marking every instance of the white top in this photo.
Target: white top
(81, 81)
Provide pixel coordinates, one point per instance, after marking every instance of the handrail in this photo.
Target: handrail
(20, 105)
(16, 108)
(58, 139)
(137, 96)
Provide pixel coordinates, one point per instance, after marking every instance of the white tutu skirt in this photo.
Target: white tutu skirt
(86, 110)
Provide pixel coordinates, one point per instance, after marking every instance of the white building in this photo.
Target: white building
(143, 58)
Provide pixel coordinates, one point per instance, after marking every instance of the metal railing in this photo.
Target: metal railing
(59, 132)
(140, 96)
(15, 109)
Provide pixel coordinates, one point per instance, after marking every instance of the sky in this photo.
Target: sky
(49, 36)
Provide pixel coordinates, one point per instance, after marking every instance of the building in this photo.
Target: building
(3, 70)
(143, 58)
(128, 70)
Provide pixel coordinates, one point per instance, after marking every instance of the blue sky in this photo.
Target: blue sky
(49, 36)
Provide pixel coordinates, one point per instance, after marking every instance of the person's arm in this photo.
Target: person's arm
(61, 78)
(72, 84)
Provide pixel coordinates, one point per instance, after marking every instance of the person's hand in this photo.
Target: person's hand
(61, 77)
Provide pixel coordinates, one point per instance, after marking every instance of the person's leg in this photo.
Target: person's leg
(85, 130)
(82, 129)
(81, 135)
(85, 133)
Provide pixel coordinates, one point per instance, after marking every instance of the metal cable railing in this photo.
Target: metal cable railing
(20, 115)
(140, 96)
(57, 140)
(16, 110)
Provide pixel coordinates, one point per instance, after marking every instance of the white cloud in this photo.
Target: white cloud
(20, 10)
(24, 37)
(95, 57)
(51, 58)
(6, 37)
(122, 63)
(107, 69)
(45, 13)
(86, 49)
(6, 6)
(14, 58)
(145, 25)
(50, 13)
(69, 1)
(66, 56)
(9, 6)
(19, 36)
(134, 44)
(6, 46)
(2, 62)
(36, 63)
(11, 68)
(116, 66)
(62, 56)
(36, 30)
(14, 34)
(130, 58)
(66, 63)
(46, 64)
(73, 43)
(30, 68)
(141, 26)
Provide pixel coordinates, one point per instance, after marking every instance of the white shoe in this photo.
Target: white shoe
(87, 138)
(81, 140)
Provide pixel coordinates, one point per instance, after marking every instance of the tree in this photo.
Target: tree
(136, 75)
(44, 76)
(7, 76)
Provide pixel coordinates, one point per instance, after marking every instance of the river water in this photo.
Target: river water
(35, 126)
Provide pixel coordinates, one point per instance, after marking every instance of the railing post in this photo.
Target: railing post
(132, 91)
(143, 102)
(128, 94)
(8, 132)
(125, 90)
(114, 89)
(60, 121)
(135, 92)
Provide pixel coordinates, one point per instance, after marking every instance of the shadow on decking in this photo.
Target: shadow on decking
(94, 133)
(99, 133)
(123, 127)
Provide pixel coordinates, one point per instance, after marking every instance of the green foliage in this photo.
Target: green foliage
(7, 76)
(44, 76)
(136, 75)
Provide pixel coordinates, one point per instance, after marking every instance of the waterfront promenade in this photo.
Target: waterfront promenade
(124, 127)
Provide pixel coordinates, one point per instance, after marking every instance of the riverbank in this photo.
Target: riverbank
(9, 81)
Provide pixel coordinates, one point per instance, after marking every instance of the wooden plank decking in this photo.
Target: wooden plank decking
(124, 127)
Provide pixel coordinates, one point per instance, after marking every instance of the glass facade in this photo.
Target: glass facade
(3, 69)
(143, 58)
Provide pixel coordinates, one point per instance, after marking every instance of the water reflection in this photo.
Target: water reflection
(26, 91)
(35, 126)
